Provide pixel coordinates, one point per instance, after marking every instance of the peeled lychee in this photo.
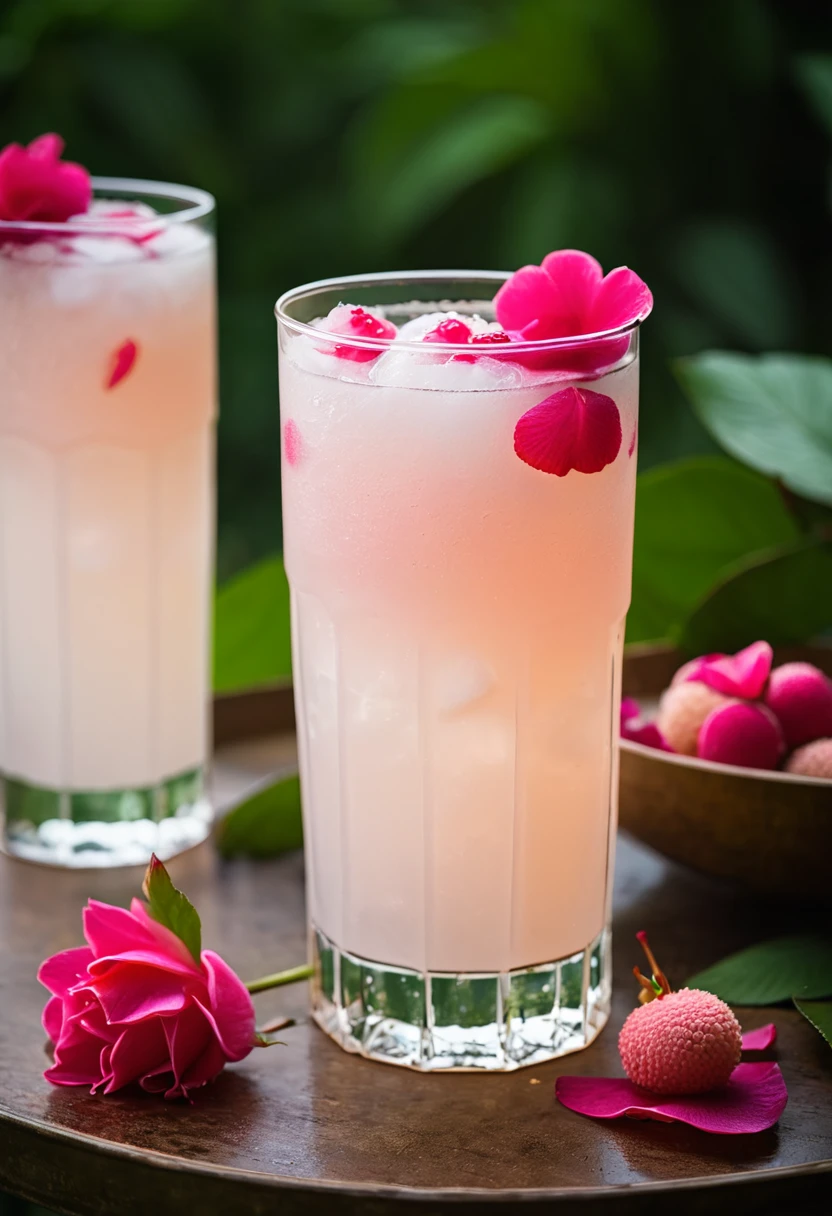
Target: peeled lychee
(682, 710)
(685, 1042)
(812, 760)
(741, 733)
(800, 696)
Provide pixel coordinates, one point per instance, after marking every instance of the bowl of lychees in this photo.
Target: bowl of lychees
(726, 763)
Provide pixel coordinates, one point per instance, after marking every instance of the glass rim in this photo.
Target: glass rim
(198, 204)
(493, 278)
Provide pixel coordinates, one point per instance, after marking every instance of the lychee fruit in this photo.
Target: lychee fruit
(682, 710)
(743, 734)
(800, 696)
(686, 1042)
(812, 760)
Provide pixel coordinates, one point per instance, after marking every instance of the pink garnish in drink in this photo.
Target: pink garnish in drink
(490, 338)
(633, 438)
(36, 185)
(292, 443)
(122, 361)
(574, 428)
(352, 319)
(451, 332)
(566, 296)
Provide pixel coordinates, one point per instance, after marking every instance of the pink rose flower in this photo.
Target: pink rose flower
(566, 296)
(134, 1005)
(35, 184)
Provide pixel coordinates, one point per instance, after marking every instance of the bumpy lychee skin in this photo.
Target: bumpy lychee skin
(685, 1042)
(742, 733)
(812, 760)
(682, 710)
(800, 696)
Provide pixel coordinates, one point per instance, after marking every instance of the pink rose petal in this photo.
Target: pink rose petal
(126, 995)
(752, 1101)
(121, 362)
(36, 185)
(232, 1011)
(568, 296)
(63, 971)
(205, 1068)
(573, 428)
(737, 675)
(760, 1039)
(292, 442)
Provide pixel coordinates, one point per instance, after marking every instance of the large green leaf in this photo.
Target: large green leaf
(265, 825)
(819, 1013)
(171, 908)
(784, 596)
(771, 972)
(773, 412)
(694, 519)
(252, 628)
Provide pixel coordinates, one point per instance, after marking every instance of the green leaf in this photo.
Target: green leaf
(252, 628)
(771, 972)
(265, 825)
(773, 412)
(694, 520)
(784, 596)
(819, 1013)
(814, 72)
(737, 276)
(171, 908)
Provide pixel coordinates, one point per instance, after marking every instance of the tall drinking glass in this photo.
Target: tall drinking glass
(107, 414)
(458, 620)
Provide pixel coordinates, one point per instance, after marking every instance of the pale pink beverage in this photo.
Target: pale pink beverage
(107, 359)
(458, 623)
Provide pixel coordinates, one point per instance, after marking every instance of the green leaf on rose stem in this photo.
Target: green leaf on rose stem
(265, 825)
(773, 412)
(819, 1013)
(784, 596)
(252, 636)
(773, 971)
(171, 908)
(694, 520)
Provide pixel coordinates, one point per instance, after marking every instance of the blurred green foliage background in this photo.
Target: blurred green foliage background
(340, 136)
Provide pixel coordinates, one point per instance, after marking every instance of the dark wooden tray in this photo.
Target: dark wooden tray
(306, 1128)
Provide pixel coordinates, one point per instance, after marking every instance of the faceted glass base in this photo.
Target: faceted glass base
(435, 1020)
(104, 827)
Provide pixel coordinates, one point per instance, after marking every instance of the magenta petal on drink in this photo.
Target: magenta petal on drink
(36, 185)
(760, 1039)
(352, 319)
(121, 362)
(566, 297)
(752, 1101)
(573, 428)
(743, 674)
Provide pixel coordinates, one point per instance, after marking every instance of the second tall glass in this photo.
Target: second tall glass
(458, 625)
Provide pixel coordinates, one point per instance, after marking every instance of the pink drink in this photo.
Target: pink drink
(458, 624)
(107, 355)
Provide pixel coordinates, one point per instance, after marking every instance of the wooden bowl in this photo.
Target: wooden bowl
(770, 831)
